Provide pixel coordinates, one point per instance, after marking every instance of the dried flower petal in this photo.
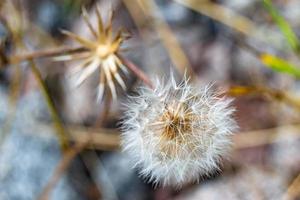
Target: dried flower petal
(101, 54)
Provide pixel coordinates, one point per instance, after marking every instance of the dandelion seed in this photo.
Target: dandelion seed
(176, 132)
(102, 54)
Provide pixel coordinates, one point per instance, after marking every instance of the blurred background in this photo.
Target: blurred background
(248, 48)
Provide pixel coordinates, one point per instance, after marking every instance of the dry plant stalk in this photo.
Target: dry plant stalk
(144, 11)
(252, 139)
(15, 26)
(16, 59)
(139, 73)
(49, 53)
(62, 166)
(221, 14)
(293, 191)
(103, 139)
(100, 139)
(277, 95)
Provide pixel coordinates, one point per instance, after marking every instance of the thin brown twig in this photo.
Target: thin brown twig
(139, 73)
(14, 94)
(44, 53)
(18, 40)
(60, 131)
(147, 14)
(100, 139)
(278, 95)
(264, 136)
(222, 14)
(168, 38)
(109, 139)
(293, 190)
(61, 168)
(67, 50)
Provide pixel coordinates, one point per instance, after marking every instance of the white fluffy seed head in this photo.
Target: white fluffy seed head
(177, 132)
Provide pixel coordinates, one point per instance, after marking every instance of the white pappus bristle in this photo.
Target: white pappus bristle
(177, 132)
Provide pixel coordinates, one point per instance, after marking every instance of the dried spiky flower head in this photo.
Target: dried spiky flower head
(177, 132)
(102, 54)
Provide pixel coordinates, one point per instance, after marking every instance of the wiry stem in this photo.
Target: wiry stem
(44, 53)
(18, 40)
(61, 168)
(293, 190)
(67, 50)
(278, 95)
(62, 136)
(139, 73)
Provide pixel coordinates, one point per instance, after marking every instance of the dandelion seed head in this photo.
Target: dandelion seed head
(177, 132)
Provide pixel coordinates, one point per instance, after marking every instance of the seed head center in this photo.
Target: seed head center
(177, 121)
(103, 50)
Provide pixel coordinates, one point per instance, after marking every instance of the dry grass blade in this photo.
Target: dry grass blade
(293, 191)
(107, 139)
(18, 39)
(110, 139)
(14, 59)
(233, 20)
(264, 137)
(67, 50)
(221, 14)
(100, 139)
(15, 82)
(145, 10)
(278, 95)
(60, 131)
(13, 100)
